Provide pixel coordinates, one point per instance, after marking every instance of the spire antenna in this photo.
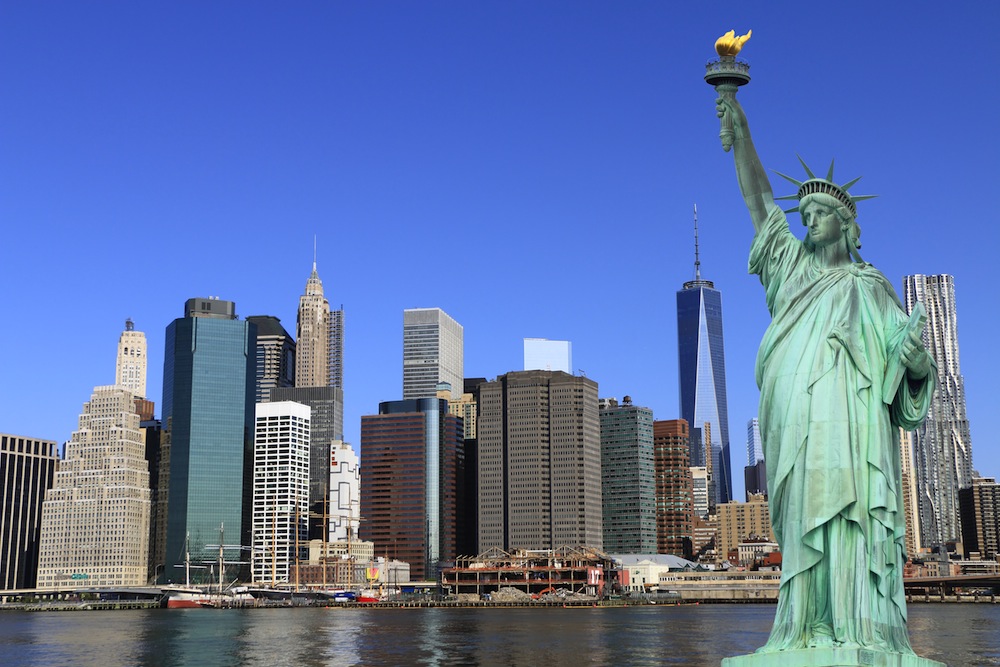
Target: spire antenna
(314, 252)
(697, 261)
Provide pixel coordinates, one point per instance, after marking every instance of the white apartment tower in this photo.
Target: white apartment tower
(130, 369)
(345, 493)
(432, 353)
(942, 447)
(95, 518)
(280, 490)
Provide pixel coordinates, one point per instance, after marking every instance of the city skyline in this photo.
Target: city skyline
(588, 146)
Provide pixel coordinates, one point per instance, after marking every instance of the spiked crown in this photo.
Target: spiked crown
(814, 185)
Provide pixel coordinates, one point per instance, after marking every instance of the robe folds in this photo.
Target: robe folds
(831, 445)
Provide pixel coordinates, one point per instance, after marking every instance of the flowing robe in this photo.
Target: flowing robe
(831, 445)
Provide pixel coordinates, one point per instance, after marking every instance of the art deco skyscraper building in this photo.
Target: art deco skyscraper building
(319, 380)
(95, 518)
(130, 369)
(432, 353)
(320, 353)
(702, 366)
(942, 447)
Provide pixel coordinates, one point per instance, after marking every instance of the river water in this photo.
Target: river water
(959, 634)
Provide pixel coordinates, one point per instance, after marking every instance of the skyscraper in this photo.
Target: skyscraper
(539, 437)
(755, 447)
(980, 505)
(275, 356)
(408, 500)
(755, 473)
(320, 354)
(336, 348)
(628, 487)
(327, 406)
(755, 480)
(130, 367)
(467, 491)
(701, 362)
(313, 353)
(345, 493)
(208, 390)
(27, 468)
(280, 490)
(542, 354)
(95, 518)
(699, 491)
(432, 353)
(942, 447)
(674, 488)
(911, 499)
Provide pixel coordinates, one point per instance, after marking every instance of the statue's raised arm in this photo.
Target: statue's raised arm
(754, 184)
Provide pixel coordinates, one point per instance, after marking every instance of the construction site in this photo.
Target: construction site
(534, 574)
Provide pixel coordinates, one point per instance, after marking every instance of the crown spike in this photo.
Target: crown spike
(863, 197)
(847, 186)
(797, 183)
(792, 210)
(788, 197)
(829, 173)
(805, 166)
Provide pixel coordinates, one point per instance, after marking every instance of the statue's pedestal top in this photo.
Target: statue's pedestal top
(830, 657)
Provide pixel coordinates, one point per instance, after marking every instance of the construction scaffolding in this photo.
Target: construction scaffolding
(578, 570)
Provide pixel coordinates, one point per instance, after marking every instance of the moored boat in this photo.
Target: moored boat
(185, 597)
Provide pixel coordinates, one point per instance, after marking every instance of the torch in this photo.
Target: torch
(727, 74)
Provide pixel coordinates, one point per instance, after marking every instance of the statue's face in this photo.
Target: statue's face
(822, 224)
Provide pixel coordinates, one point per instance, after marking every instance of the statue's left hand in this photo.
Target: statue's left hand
(915, 357)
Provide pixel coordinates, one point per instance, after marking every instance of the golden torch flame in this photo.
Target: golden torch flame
(729, 44)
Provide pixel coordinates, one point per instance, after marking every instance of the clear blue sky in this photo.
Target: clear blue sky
(529, 167)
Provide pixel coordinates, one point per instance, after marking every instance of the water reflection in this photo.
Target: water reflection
(959, 635)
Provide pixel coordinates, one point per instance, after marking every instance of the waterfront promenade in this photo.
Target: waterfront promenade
(674, 587)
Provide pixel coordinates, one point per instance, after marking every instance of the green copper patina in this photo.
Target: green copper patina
(830, 407)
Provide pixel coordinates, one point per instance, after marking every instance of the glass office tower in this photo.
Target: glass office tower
(208, 397)
(701, 362)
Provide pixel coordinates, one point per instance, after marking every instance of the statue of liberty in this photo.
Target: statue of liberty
(840, 368)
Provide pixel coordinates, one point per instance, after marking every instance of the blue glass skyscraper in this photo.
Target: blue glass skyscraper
(702, 371)
(208, 395)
